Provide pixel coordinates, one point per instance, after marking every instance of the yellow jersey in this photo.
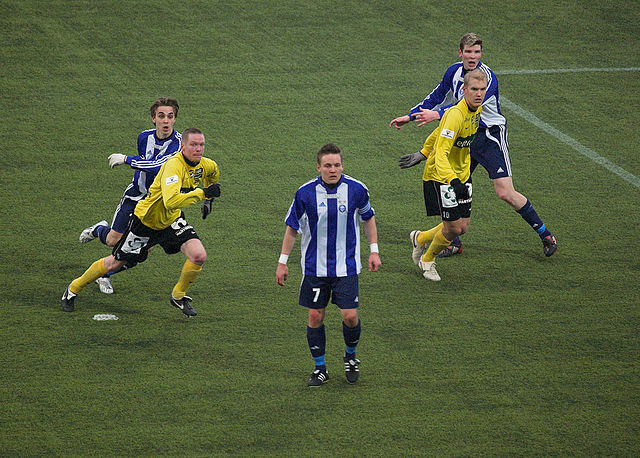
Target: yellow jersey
(174, 188)
(447, 148)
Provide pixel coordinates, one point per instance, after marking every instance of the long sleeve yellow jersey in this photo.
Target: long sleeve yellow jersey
(447, 148)
(174, 188)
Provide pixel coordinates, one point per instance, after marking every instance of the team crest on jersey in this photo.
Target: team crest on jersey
(342, 208)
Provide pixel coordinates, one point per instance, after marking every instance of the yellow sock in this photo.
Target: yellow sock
(427, 236)
(95, 271)
(189, 273)
(438, 244)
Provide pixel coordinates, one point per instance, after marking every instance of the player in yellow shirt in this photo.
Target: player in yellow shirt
(159, 220)
(446, 178)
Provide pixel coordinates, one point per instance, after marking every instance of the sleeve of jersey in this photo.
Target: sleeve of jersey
(429, 144)
(152, 166)
(435, 97)
(171, 183)
(295, 213)
(444, 142)
(365, 210)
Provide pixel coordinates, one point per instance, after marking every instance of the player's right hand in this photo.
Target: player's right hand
(117, 159)
(409, 160)
(400, 121)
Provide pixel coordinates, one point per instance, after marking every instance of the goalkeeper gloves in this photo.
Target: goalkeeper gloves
(117, 159)
(461, 190)
(211, 191)
(409, 160)
(206, 208)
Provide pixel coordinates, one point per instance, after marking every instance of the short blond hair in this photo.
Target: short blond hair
(475, 74)
(470, 39)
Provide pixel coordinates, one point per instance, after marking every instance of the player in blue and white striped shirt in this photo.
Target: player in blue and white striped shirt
(490, 147)
(155, 147)
(327, 211)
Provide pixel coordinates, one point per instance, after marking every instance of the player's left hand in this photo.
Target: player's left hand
(206, 208)
(374, 262)
(282, 272)
(117, 159)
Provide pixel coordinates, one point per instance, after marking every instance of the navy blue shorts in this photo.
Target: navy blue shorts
(315, 292)
(491, 150)
(123, 214)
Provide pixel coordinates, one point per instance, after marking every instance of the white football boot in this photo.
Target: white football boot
(87, 234)
(418, 250)
(105, 285)
(429, 270)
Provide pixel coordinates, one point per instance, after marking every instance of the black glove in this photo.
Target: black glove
(206, 208)
(409, 160)
(461, 190)
(211, 191)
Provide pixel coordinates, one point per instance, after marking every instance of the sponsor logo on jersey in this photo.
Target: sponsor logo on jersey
(463, 142)
(171, 180)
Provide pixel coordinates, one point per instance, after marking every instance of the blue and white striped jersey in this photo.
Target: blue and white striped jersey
(449, 92)
(329, 221)
(152, 153)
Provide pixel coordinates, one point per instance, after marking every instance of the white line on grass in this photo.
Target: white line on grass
(576, 145)
(566, 70)
(579, 147)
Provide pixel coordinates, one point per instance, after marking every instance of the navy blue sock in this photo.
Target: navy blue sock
(101, 232)
(456, 241)
(317, 340)
(351, 338)
(529, 214)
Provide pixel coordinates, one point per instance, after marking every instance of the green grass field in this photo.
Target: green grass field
(511, 354)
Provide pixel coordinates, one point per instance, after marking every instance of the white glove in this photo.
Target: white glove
(117, 159)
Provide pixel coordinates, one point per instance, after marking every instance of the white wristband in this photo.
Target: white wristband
(374, 248)
(283, 258)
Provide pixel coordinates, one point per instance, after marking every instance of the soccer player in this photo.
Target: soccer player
(158, 219)
(447, 176)
(327, 212)
(155, 147)
(490, 147)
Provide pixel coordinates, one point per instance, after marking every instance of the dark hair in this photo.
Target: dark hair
(164, 102)
(329, 148)
(189, 131)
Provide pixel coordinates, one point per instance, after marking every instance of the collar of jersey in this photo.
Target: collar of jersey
(188, 162)
(333, 189)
